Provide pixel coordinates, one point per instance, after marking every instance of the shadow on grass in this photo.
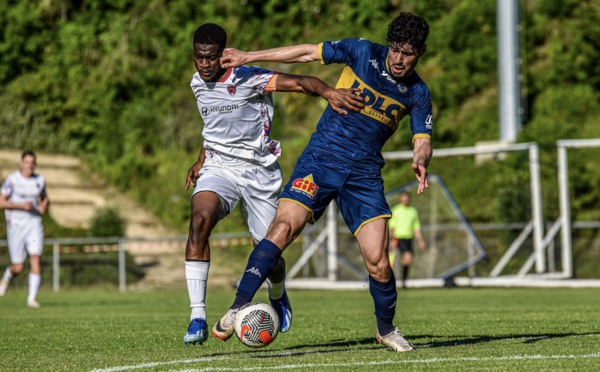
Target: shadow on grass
(477, 339)
(370, 343)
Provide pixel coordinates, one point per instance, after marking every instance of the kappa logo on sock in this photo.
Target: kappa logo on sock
(254, 271)
(393, 305)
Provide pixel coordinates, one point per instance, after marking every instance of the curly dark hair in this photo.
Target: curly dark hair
(211, 34)
(408, 28)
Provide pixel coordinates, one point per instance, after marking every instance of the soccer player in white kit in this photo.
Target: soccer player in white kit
(23, 197)
(237, 163)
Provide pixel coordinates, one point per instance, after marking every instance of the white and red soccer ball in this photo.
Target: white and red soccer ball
(256, 324)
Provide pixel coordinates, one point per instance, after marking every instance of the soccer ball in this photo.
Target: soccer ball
(256, 324)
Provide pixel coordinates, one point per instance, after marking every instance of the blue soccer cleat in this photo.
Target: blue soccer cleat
(284, 311)
(197, 332)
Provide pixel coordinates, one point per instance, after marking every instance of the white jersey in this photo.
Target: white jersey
(238, 113)
(19, 189)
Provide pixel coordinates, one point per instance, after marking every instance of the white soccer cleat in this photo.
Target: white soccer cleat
(33, 304)
(395, 341)
(3, 286)
(223, 329)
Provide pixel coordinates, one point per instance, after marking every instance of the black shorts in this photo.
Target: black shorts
(405, 245)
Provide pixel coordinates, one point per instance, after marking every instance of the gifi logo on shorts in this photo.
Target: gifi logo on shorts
(305, 185)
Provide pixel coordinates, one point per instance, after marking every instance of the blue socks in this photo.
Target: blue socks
(384, 296)
(261, 263)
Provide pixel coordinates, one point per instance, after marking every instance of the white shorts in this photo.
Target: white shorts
(233, 180)
(25, 237)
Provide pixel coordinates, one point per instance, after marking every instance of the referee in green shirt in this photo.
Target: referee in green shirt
(404, 225)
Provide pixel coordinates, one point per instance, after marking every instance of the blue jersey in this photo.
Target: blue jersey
(343, 160)
(359, 137)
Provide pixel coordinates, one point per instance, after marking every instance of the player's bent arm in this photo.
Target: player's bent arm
(289, 54)
(337, 98)
(6, 204)
(43, 206)
(192, 175)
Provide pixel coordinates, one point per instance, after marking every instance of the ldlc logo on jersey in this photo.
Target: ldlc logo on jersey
(380, 107)
(306, 186)
(231, 90)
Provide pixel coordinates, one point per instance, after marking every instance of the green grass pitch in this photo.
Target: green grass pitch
(458, 329)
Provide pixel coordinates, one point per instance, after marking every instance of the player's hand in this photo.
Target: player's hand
(232, 58)
(43, 206)
(347, 98)
(192, 175)
(27, 206)
(421, 174)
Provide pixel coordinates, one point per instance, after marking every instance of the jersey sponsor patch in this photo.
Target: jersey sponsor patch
(306, 186)
(378, 106)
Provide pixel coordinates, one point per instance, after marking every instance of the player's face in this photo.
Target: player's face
(402, 60)
(206, 60)
(27, 166)
(405, 199)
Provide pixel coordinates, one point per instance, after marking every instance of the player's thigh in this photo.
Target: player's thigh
(34, 238)
(259, 198)
(16, 238)
(289, 222)
(315, 181)
(219, 181)
(362, 200)
(372, 240)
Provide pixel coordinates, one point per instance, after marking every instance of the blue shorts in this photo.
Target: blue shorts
(319, 178)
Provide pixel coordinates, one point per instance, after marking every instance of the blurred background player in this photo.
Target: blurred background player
(343, 160)
(404, 225)
(23, 197)
(237, 163)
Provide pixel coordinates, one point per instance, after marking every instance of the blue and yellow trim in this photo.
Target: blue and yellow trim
(386, 216)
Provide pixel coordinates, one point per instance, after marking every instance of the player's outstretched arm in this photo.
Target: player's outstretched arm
(422, 153)
(288, 54)
(339, 99)
(192, 175)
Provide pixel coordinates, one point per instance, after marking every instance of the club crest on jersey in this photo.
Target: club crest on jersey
(306, 186)
(402, 88)
(231, 89)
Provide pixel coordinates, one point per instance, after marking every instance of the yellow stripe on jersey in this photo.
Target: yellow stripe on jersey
(320, 52)
(380, 107)
(420, 135)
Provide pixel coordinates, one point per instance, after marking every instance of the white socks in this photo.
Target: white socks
(196, 275)
(34, 286)
(276, 290)
(7, 274)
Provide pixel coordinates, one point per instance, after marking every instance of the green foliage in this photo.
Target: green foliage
(109, 81)
(107, 222)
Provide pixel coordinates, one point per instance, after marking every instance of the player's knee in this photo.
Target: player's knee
(17, 269)
(281, 232)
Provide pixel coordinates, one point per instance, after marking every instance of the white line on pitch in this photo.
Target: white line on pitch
(391, 362)
(279, 354)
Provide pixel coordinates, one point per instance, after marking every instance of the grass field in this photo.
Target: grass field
(454, 329)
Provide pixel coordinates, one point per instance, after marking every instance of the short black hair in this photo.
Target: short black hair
(211, 34)
(27, 153)
(408, 28)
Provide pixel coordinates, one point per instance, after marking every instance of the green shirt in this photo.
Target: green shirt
(404, 221)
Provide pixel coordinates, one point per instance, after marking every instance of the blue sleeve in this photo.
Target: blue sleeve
(421, 118)
(343, 51)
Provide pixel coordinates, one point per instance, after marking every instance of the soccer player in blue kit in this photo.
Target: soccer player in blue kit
(343, 160)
